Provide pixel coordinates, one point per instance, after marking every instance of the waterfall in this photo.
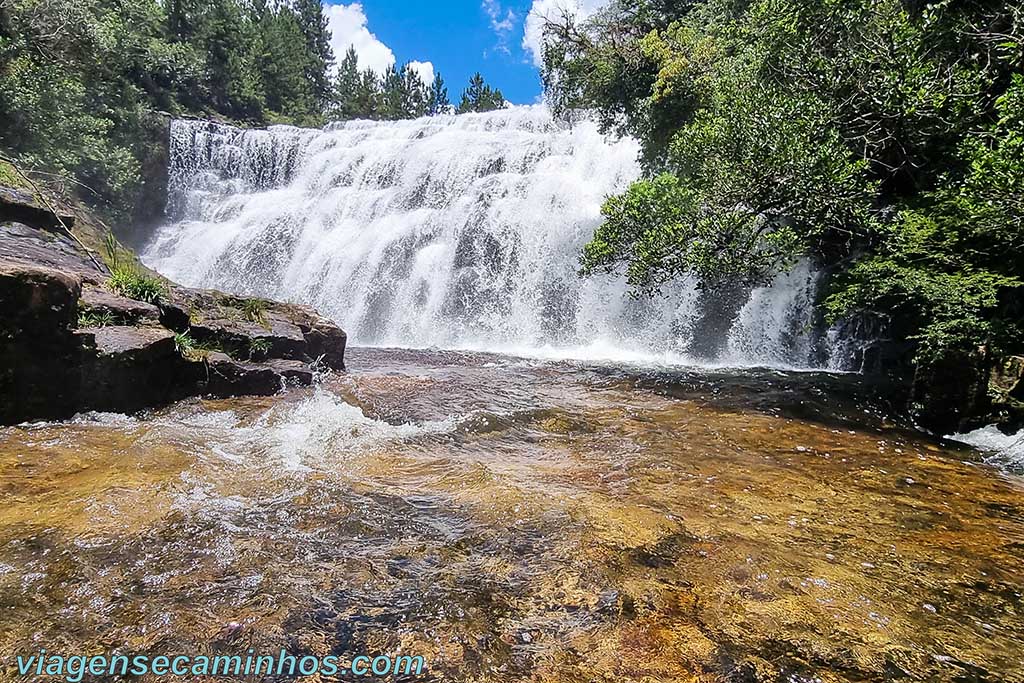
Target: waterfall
(452, 231)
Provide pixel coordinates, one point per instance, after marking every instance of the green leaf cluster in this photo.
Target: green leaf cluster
(880, 138)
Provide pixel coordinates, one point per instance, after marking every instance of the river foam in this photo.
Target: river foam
(1005, 450)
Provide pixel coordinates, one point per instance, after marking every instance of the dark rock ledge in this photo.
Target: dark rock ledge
(68, 344)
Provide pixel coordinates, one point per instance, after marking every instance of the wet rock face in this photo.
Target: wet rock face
(126, 369)
(232, 324)
(233, 378)
(949, 395)
(68, 344)
(38, 307)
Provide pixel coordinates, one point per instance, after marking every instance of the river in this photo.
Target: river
(513, 519)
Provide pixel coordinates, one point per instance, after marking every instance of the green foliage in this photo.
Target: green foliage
(948, 271)
(259, 348)
(112, 251)
(80, 80)
(184, 344)
(399, 94)
(94, 319)
(437, 99)
(193, 349)
(9, 177)
(480, 97)
(127, 281)
(880, 138)
(255, 311)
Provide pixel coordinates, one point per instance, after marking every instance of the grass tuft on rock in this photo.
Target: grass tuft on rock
(125, 277)
(94, 319)
(127, 281)
(259, 348)
(255, 311)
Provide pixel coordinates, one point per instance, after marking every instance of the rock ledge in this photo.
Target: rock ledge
(68, 344)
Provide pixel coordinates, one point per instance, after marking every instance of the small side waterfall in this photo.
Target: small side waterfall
(453, 232)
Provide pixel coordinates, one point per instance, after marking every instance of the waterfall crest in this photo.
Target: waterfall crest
(452, 232)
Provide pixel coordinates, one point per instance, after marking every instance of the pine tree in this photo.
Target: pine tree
(345, 98)
(480, 97)
(233, 80)
(319, 56)
(437, 101)
(391, 95)
(368, 96)
(281, 65)
(414, 94)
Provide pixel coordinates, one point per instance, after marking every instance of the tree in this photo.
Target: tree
(346, 88)
(415, 94)
(368, 97)
(319, 56)
(479, 97)
(280, 62)
(876, 137)
(437, 101)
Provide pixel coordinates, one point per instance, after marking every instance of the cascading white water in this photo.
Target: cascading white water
(451, 231)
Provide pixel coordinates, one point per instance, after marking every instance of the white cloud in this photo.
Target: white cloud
(542, 10)
(424, 69)
(503, 21)
(348, 27)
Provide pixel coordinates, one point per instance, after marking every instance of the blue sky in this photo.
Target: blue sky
(455, 37)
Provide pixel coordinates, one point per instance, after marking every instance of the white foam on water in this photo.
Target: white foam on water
(1001, 449)
(456, 232)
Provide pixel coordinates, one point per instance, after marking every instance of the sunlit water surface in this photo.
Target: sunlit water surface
(516, 520)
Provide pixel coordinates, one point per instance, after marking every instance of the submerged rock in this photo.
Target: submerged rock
(68, 344)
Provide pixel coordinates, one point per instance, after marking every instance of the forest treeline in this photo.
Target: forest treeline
(84, 83)
(882, 138)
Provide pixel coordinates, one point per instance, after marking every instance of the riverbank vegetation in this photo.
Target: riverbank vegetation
(883, 139)
(86, 86)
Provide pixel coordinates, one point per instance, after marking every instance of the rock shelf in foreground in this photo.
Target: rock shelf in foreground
(68, 344)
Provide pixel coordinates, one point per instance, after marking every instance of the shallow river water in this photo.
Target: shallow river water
(516, 520)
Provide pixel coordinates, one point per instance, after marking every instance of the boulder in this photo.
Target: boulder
(130, 361)
(100, 301)
(1006, 391)
(20, 243)
(950, 394)
(325, 341)
(228, 377)
(1006, 380)
(292, 371)
(286, 331)
(38, 311)
(128, 369)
